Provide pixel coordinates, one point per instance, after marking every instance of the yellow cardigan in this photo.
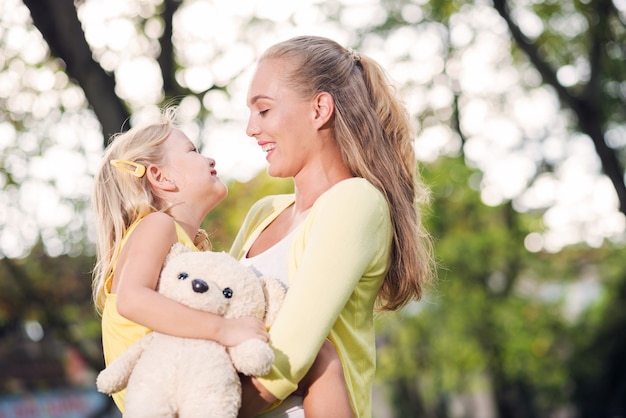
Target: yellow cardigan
(337, 263)
(119, 333)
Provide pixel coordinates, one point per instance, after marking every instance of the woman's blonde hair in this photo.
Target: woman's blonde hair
(373, 132)
(120, 197)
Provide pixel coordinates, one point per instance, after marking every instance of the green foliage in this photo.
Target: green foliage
(55, 294)
(496, 320)
(598, 365)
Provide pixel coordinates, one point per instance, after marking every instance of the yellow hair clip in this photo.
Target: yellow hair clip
(136, 169)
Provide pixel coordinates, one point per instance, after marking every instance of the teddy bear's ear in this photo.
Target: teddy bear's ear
(274, 292)
(177, 249)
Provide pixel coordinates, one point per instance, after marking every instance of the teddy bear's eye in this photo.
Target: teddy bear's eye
(228, 293)
(182, 276)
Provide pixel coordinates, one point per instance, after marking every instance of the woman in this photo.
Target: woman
(349, 240)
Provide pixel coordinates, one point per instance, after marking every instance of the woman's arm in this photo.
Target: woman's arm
(255, 398)
(348, 232)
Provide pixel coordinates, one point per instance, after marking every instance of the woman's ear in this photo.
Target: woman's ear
(324, 106)
(158, 179)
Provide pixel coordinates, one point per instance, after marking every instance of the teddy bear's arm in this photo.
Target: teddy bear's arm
(115, 376)
(255, 357)
(252, 357)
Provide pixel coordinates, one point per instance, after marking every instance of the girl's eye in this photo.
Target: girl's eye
(263, 112)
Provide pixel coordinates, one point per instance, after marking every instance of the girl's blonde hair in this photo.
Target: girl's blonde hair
(119, 197)
(373, 132)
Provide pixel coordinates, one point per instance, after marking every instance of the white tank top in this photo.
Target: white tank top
(273, 261)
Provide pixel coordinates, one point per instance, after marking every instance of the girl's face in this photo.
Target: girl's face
(193, 174)
(280, 121)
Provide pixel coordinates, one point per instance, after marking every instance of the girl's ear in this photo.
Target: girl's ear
(159, 180)
(324, 107)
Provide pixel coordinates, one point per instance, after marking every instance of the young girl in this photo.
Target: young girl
(153, 189)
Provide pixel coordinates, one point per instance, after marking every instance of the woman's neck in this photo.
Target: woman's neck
(309, 186)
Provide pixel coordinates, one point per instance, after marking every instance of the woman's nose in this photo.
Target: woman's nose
(211, 161)
(252, 128)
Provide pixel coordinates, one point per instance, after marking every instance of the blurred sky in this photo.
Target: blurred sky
(504, 141)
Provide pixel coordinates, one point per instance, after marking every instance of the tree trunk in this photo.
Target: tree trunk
(587, 108)
(58, 22)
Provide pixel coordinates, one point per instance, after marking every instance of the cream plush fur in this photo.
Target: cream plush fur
(167, 376)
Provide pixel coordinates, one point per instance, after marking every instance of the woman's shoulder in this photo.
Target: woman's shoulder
(352, 203)
(354, 198)
(355, 189)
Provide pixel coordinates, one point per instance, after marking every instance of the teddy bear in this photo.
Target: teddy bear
(167, 376)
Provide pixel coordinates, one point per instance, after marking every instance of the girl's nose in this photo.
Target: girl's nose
(211, 161)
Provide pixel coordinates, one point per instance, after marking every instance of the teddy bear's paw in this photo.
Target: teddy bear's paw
(252, 357)
(109, 383)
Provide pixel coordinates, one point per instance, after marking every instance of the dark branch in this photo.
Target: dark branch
(531, 50)
(58, 23)
(588, 107)
(166, 58)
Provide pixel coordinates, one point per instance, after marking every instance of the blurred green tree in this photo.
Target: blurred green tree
(499, 329)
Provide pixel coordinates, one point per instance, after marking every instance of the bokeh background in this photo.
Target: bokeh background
(519, 109)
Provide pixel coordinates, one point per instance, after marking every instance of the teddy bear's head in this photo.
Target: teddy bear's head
(212, 282)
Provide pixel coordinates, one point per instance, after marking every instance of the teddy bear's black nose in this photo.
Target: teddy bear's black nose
(199, 286)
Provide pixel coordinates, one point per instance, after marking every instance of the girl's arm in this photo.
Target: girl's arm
(135, 281)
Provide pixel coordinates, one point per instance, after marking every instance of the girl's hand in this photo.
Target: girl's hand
(237, 330)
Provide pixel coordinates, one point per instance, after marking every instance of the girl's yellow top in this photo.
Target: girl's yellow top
(119, 333)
